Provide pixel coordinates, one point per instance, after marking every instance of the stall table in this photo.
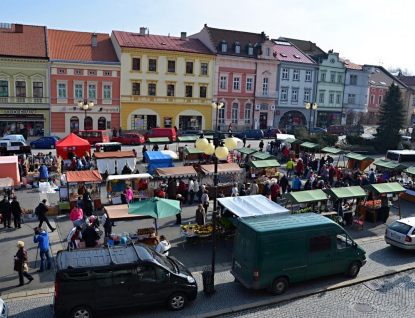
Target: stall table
(309, 196)
(264, 167)
(139, 184)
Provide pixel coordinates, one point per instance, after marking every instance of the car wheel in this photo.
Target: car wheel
(353, 269)
(132, 143)
(82, 312)
(177, 301)
(33, 146)
(279, 286)
(52, 146)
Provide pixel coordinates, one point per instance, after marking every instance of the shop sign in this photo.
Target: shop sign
(167, 122)
(20, 111)
(110, 110)
(30, 116)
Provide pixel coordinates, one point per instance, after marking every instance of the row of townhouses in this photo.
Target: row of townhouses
(138, 80)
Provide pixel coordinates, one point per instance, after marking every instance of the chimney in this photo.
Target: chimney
(18, 28)
(94, 40)
(143, 31)
(183, 36)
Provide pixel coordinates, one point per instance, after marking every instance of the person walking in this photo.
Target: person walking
(41, 213)
(114, 132)
(284, 183)
(16, 210)
(20, 264)
(261, 145)
(266, 190)
(6, 212)
(244, 140)
(76, 215)
(200, 215)
(143, 151)
(43, 239)
(290, 167)
(253, 189)
(191, 188)
(179, 198)
(275, 192)
(120, 132)
(87, 202)
(205, 200)
(299, 167)
(129, 194)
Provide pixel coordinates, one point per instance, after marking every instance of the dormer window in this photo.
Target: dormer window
(237, 47)
(223, 46)
(250, 49)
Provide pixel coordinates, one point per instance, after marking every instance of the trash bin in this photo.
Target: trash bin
(208, 287)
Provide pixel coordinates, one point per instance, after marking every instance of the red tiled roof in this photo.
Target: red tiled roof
(160, 42)
(76, 46)
(285, 51)
(29, 43)
(350, 65)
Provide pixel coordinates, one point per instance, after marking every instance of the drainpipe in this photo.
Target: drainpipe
(50, 100)
(254, 104)
(344, 90)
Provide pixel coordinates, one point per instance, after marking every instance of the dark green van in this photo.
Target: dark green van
(271, 252)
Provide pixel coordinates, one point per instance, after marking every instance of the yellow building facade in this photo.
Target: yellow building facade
(165, 88)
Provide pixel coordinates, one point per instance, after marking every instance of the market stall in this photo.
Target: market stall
(72, 143)
(382, 192)
(157, 159)
(305, 197)
(336, 151)
(170, 153)
(176, 172)
(263, 167)
(77, 183)
(393, 168)
(9, 168)
(6, 186)
(262, 155)
(311, 147)
(295, 147)
(408, 183)
(113, 162)
(139, 184)
(192, 156)
(159, 140)
(357, 160)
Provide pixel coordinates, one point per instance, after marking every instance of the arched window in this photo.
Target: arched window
(74, 124)
(88, 123)
(101, 123)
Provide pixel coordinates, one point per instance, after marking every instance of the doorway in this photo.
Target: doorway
(263, 117)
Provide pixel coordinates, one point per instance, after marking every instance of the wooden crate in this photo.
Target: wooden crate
(52, 211)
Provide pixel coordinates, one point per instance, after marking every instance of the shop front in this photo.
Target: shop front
(264, 115)
(29, 123)
(326, 119)
(292, 117)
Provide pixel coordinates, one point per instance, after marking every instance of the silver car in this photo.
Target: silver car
(4, 310)
(401, 233)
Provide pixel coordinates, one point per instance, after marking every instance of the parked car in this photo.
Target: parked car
(129, 139)
(14, 137)
(161, 132)
(4, 310)
(190, 132)
(317, 130)
(274, 132)
(291, 128)
(401, 233)
(44, 142)
(251, 134)
(336, 129)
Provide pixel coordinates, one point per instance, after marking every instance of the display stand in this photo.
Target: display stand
(78, 182)
(139, 184)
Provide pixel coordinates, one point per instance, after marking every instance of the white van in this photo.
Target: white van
(401, 156)
(14, 138)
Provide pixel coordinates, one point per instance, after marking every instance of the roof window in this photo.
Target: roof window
(237, 47)
(297, 56)
(223, 46)
(382, 83)
(283, 54)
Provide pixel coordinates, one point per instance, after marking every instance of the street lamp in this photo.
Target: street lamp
(219, 150)
(85, 106)
(310, 106)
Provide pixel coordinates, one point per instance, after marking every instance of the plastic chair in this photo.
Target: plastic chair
(360, 220)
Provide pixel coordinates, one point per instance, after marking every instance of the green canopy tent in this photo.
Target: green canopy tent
(187, 138)
(295, 144)
(386, 188)
(262, 155)
(335, 151)
(160, 140)
(365, 161)
(261, 165)
(246, 151)
(346, 193)
(311, 146)
(410, 171)
(310, 196)
(191, 154)
(390, 165)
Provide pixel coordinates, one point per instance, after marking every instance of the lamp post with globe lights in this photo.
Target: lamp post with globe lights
(85, 105)
(311, 107)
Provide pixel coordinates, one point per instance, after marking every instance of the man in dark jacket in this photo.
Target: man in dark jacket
(5, 210)
(90, 236)
(41, 213)
(87, 203)
(43, 239)
(17, 212)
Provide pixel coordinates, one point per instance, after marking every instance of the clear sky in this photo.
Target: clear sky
(378, 32)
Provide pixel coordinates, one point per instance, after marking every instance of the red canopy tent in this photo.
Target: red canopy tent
(74, 143)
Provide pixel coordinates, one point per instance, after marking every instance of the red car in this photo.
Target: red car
(336, 129)
(130, 139)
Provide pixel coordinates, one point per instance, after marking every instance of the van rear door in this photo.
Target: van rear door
(320, 255)
(244, 253)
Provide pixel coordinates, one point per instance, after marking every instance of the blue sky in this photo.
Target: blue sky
(363, 31)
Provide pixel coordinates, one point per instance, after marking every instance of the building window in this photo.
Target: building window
(267, 51)
(264, 106)
(333, 78)
(296, 75)
(74, 124)
(372, 99)
(250, 50)
(92, 91)
(353, 79)
(235, 113)
(136, 88)
(107, 91)
(189, 67)
(61, 90)
(91, 72)
(249, 84)
(170, 90)
(204, 69)
(284, 94)
(4, 89)
(221, 115)
(265, 86)
(331, 98)
(152, 65)
(61, 71)
(102, 123)
(78, 72)
(308, 76)
(413, 99)
(340, 78)
(294, 95)
(88, 123)
(338, 98)
(20, 89)
(380, 99)
(248, 108)
(151, 89)
(323, 77)
(136, 64)
(107, 74)
(284, 73)
(306, 96)
(351, 99)
(171, 66)
(38, 89)
(79, 91)
(236, 83)
(321, 98)
(223, 82)
(189, 91)
(203, 92)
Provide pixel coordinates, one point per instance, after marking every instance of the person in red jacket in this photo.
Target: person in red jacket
(286, 153)
(299, 167)
(275, 192)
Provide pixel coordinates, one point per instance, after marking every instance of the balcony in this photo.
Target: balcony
(269, 94)
(167, 99)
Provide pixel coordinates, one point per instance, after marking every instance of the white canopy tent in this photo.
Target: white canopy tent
(252, 205)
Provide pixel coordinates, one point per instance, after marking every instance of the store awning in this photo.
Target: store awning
(332, 150)
(253, 205)
(119, 212)
(246, 151)
(385, 188)
(264, 163)
(161, 140)
(157, 208)
(309, 196)
(410, 171)
(310, 145)
(176, 172)
(262, 155)
(193, 151)
(284, 137)
(130, 176)
(223, 168)
(114, 154)
(170, 153)
(346, 193)
(293, 141)
(358, 157)
(83, 176)
(187, 138)
(389, 165)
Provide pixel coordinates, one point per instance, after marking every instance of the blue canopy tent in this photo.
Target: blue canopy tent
(157, 159)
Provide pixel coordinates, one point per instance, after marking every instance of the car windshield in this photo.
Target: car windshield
(163, 260)
(400, 227)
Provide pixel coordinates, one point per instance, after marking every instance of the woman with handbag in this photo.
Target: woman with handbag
(20, 264)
